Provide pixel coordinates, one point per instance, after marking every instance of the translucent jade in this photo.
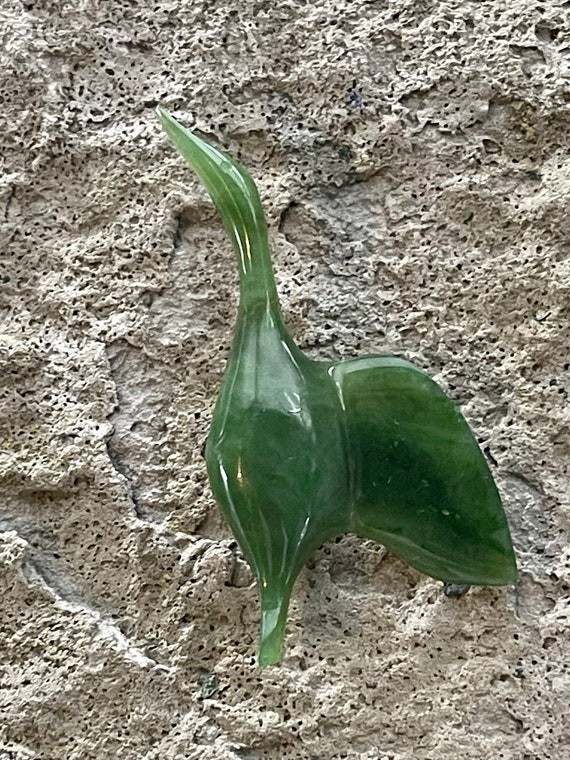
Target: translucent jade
(301, 451)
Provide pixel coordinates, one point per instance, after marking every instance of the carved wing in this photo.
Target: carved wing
(421, 484)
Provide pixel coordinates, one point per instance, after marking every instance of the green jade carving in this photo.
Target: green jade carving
(301, 451)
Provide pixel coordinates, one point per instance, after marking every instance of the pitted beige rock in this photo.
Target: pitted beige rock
(413, 162)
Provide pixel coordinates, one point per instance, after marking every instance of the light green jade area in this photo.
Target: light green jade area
(302, 451)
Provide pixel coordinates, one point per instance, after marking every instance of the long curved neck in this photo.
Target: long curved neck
(235, 196)
(257, 281)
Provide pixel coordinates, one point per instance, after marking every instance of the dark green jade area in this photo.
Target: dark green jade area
(302, 451)
(422, 486)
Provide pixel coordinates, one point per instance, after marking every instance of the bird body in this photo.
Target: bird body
(301, 451)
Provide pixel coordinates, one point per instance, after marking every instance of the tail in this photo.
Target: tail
(274, 608)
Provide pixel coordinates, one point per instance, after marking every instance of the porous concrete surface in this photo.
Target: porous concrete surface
(414, 162)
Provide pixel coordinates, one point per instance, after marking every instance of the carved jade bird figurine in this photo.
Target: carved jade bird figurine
(301, 451)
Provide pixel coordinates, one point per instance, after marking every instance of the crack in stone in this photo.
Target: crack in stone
(121, 467)
(39, 569)
(9, 199)
(128, 475)
(182, 223)
(284, 218)
(105, 627)
(40, 561)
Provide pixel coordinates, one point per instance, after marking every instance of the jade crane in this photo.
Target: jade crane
(301, 451)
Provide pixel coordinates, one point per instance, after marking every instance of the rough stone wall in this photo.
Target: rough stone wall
(413, 159)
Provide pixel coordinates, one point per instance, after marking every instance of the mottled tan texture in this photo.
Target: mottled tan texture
(413, 158)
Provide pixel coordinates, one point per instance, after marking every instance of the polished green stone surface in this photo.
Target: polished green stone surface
(302, 451)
